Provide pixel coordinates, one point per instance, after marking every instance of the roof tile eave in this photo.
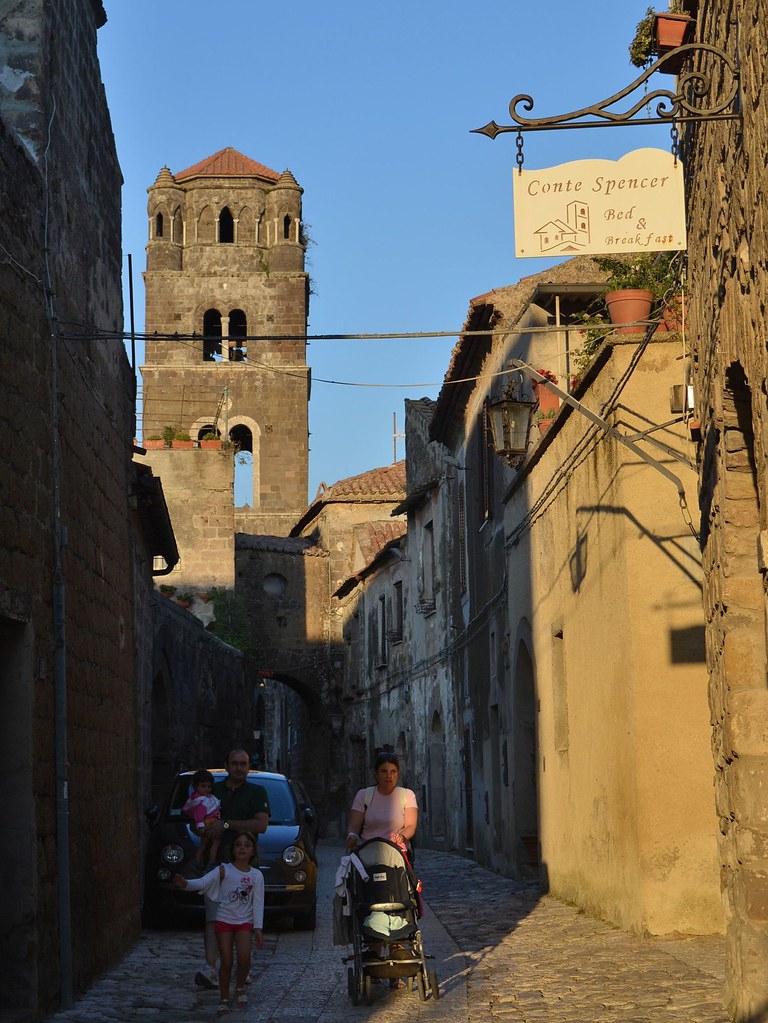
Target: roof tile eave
(227, 162)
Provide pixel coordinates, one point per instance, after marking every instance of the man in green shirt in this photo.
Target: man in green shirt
(244, 807)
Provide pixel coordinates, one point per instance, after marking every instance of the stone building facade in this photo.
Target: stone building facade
(728, 251)
(534, 649)
(70, 563)
(225, 272)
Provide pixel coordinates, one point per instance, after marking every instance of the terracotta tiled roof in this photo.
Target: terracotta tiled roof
(227, 163)
(374, 537)
(377, 486)
(424, 406)
(384, 484)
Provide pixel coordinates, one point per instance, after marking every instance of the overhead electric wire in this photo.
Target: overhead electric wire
(415, 335)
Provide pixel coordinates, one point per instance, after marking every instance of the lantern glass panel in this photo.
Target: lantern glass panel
(510, 423)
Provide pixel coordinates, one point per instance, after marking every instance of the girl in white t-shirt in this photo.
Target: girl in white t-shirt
(385, 810)
(238, 888)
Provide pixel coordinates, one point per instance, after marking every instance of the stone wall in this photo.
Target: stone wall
(64, 470)
(203, 697)
(728, 250)
(198, 487)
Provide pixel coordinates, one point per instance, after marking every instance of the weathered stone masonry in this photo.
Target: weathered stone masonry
(728, 252)
(61, 269)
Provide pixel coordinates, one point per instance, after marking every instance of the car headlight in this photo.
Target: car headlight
(300, 876)
(293, 856)
(173, 854)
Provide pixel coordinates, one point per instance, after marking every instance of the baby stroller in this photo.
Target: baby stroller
(386, 938)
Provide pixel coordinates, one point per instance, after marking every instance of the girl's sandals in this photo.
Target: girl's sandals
(223, 1008)
(242, 998)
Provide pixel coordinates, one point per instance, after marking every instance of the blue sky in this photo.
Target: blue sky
(371, 109)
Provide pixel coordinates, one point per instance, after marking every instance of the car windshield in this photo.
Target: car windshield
(282, 806)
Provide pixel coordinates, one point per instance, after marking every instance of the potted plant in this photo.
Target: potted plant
(169, 432)
(154, 440)
(547, 401)
(657, 33)
(210, 440)
(635, 284)
(545, 419)
(183, 599)
(182, 439)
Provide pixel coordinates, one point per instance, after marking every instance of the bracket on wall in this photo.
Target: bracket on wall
(714, 95)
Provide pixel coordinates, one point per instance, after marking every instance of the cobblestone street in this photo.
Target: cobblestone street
(502, 953)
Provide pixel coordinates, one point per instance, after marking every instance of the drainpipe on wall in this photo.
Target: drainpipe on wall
(60, 699)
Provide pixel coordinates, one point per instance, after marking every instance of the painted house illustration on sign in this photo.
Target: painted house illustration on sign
(570, 235)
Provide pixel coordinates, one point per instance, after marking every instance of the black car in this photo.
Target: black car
(287, 855)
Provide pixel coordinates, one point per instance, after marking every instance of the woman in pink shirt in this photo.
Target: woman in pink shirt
(385, 810)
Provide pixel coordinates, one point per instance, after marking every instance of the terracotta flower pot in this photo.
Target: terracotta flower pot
(675, 315)
(150, 445)
(183, 444)
(671, 31)
(627, 307)
(547, 401)
(210, 443)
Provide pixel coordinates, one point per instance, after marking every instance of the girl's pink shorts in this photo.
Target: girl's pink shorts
(220, 927)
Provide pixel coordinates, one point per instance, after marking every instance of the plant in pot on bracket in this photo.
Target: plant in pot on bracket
(657, 33)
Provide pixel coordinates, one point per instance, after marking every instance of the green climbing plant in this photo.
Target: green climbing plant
(231, 621)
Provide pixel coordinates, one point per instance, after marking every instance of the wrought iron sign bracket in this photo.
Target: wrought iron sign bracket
(699, 96)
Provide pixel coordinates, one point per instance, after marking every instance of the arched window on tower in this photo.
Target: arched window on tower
(211, 335)
(226, 226)
(177, 227)
(238, 332)
(205, 226)
(159, 226)
(242, 439)
(287, 226)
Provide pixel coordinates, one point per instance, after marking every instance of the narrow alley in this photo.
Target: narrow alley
(502, 953)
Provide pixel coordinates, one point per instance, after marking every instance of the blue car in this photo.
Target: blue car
(287, 856)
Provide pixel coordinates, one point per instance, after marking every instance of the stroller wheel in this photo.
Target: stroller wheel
(421, 984)
(367, 992)
(434, 986)
(352, 986)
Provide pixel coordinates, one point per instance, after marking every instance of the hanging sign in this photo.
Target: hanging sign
(634, 204)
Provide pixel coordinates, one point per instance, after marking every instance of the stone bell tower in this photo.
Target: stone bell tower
(227, 292)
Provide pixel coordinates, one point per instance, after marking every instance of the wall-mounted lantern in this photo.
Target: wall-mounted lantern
(510, 421)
